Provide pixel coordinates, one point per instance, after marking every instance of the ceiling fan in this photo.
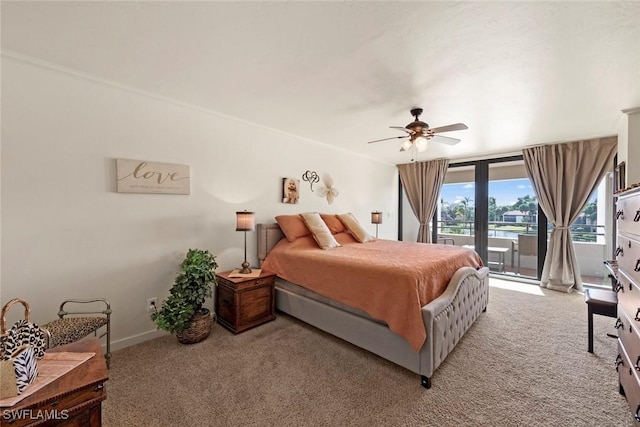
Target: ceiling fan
(419, 133)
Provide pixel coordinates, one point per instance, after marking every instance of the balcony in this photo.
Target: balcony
(588, 242)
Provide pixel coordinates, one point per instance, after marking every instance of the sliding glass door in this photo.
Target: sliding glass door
(512, 220)
(490, 205)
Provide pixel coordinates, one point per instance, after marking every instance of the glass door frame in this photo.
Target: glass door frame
(481, 216)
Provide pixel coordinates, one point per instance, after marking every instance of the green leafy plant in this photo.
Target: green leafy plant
(190, 289)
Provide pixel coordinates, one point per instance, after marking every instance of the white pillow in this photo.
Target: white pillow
(319, 230)
(354, 227)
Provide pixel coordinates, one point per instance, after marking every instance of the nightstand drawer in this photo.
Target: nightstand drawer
(256, 304)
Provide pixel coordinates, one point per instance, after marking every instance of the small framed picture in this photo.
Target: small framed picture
(619, 183)
(290, 190)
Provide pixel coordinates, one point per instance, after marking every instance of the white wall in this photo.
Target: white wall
(66, 233)
(633, 153)
(629, 143)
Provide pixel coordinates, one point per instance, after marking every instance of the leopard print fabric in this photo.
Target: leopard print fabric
(23, 333)
(72, 329)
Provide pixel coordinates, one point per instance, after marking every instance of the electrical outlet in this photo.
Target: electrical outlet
(152, 305)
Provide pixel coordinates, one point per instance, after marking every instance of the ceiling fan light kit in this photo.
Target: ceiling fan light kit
(419, 133)
(421, 143)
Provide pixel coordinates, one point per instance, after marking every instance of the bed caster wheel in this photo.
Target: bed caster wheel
(425, 381)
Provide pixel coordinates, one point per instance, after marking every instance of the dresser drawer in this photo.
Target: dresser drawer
(629, 381)
(628, 214)
(628, 256)
(629, 296)
(628, 334)
(79, 408)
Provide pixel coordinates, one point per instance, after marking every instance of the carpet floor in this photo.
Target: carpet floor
(523, 363)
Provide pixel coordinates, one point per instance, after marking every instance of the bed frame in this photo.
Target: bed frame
(446, 319)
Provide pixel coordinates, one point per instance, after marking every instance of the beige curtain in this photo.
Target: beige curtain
(563, 177)
(422, 182)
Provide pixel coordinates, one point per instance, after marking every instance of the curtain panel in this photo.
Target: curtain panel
(422, 182)
(563, 177)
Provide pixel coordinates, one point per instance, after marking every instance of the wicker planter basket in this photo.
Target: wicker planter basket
(198, 330)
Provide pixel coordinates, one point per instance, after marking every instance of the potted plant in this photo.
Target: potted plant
(182, 311)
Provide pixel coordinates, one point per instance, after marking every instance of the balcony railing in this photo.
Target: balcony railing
(506, 229)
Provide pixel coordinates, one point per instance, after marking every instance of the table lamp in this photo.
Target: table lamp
(376, 218)
(245, 222)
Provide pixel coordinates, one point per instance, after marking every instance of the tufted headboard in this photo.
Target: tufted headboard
(268, 236)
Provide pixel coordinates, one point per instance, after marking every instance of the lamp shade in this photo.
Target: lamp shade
(421, 143)
(245, 221)
(376, 217)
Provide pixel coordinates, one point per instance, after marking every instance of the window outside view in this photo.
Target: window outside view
(513, 210)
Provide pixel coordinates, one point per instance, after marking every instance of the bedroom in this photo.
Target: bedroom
(83, 85)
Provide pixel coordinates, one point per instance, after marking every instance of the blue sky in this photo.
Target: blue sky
(506, 192)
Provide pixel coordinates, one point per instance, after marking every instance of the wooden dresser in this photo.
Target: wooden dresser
(628, 288)
(245, 302)
(73, 400)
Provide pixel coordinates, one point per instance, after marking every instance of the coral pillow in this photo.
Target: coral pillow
(292, 226)
(320, 231)
(354, 227)
(335, 225)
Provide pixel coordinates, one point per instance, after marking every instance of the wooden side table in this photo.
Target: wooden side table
(74, 399)
(244, 302)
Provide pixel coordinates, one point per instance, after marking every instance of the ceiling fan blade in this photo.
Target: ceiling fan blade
(449, 128)
(386, 139)
(400, 128)
(445, 139)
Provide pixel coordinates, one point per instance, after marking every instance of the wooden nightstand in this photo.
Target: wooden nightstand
(244, 302)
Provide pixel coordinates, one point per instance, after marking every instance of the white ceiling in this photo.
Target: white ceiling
(341, 73)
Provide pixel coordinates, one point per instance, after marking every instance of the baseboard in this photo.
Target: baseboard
(136, 339)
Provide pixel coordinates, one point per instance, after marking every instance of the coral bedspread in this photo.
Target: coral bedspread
(389, 280)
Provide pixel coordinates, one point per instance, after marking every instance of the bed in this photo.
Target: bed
(429, 336)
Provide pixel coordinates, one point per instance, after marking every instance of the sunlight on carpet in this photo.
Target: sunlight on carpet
(516, 286)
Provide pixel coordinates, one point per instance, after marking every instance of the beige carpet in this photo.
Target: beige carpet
(523, 363)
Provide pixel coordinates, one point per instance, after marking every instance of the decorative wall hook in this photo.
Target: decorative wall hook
(311, 177)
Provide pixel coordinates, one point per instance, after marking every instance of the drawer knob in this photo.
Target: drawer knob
(637, 217)
(98, 387)
(619, 362)
(638, 364)
(637, 414)
(619, 251)
(637, 267)
(620, 214)
(618, 324)
(637, 319)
